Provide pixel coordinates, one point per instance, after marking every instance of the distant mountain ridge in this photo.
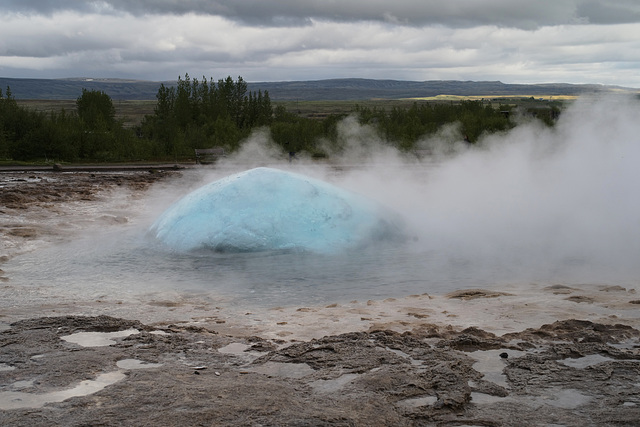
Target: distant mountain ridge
(330, 89)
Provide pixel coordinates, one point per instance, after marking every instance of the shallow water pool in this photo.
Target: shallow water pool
(126, 263)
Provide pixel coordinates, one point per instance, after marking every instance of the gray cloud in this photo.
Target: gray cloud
(600, 12)
(506, 40)
(525, 14)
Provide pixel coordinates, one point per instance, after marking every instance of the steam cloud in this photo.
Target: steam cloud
(536, 198)
(541, 203)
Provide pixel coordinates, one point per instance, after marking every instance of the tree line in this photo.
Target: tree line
(206, 113)
(91, 133)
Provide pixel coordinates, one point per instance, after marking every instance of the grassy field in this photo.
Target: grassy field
(321, 109)
(522, 101)
(510, 98)
(132, 112)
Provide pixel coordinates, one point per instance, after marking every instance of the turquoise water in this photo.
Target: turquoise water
(272, 209)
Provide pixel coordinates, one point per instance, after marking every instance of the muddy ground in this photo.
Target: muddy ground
(53, 371)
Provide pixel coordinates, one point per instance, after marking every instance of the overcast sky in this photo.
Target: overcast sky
(515, 41)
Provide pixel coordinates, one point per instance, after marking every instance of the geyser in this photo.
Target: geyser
(269, 209)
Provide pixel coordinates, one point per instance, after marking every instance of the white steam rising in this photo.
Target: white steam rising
(534, 199)
(557, 204)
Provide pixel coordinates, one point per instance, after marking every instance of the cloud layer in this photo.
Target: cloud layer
(576, 41)
(461, 13)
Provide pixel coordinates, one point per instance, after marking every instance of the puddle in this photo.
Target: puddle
(17, 399)
(417, 402)
(332, 386)
(585, 361)
(630, 344)
(236, 348)
(404, 355)
(132, 364)
(4, 367)
(285, 370)
(484, 398)
(239, 350)
(565, 398)
(98, 339)
(19, 385)
(490, 364)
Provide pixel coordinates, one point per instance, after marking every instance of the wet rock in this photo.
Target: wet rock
(468, 294)
(466, 342)
(577, 330)
(580, 298)
(69, 324)
(560, 289)
(615, 288)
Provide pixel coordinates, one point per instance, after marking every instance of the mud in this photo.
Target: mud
(25, 190)
(470, 358)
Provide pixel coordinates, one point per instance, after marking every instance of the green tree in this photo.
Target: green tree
(96, 110)
(102, 137)
(203, 114)
(4, 137)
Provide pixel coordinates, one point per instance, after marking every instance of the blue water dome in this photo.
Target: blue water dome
(269, 209)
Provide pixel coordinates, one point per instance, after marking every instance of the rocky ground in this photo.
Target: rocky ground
(77, 370)
(567, 373)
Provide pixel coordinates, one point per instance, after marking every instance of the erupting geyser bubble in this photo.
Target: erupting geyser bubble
(269, 209)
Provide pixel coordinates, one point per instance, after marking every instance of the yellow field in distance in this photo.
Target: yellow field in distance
(492, 97)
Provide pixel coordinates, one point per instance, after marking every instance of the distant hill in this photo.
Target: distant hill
(357, 89)
(57, 89)
(331, 89)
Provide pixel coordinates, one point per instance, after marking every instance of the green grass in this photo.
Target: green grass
(130, 112)
(321, 109)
